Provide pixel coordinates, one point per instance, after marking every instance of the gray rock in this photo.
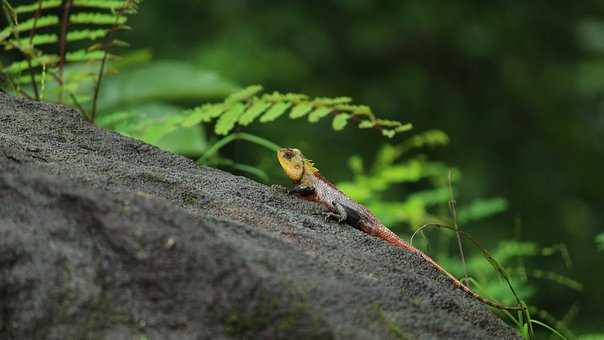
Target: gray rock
(102, 236)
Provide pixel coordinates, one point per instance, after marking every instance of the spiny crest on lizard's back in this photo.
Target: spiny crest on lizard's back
(310, 165)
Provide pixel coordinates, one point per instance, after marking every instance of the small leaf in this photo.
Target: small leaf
(86, 34)
(203, 114)
(97, 19)
(244, 94)
(253, 112)
(227, 121)
(388, 133)
(83, 55)
(45, 21)
(362, 110)
(339, 121)
(34, 6)
(319, 113)
(104, 4)
(19, 66)
(404, 127)
(274, 112)
(366, 124)
(274, 97)
(300, 110)
(325, 101)
(295, 97)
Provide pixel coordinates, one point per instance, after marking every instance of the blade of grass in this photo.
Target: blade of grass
(233, 137)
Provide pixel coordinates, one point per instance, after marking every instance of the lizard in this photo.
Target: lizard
(311, 186)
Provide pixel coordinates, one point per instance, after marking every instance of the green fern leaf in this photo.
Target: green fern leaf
(253, 112)
(104, 4)
(38, 39)
(340, 121)
(86, 34)
(227, 121)
(404, 127)
(387, 123)
(274, 97)
(5, 33)
(244, 94)
(366, 124)
(34, 6)
(362, 110)
(45, 21)
(324, 101)
(295, 97)
(388, 133)
(319, 113)
(97, 19)
(300, 110)
(203, 114)
(84, 55)
(275, 112)
(20, 66)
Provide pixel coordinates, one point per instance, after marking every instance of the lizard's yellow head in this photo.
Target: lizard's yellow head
(292, 162)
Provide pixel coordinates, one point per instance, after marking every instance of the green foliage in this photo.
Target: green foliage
(246, 106)
(392, 172)
(42, 67)
(395, 169)
(600, 242)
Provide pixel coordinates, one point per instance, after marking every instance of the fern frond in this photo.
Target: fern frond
(275, 111)
(244, 94)
(340, 121)
(25, 44)
(27, 25)
(227, 121)
(20, 66)
(202, 114)
(103, 4)
(86, 34)
(46, 4)
(366, 124)
(253, 112)
(319, 113)
(245, 106)
(94, 18)
(300, 110)
(84, 55)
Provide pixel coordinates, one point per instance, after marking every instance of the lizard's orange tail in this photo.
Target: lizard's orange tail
(392, 238)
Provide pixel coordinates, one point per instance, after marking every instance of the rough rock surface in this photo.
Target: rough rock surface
(102, 236)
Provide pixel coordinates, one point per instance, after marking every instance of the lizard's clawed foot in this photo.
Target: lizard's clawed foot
(330, 216)
(279, 188)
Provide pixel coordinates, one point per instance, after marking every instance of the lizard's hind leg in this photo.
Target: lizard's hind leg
(340, 214)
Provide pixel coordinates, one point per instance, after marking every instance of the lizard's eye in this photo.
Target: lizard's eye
(288, 155)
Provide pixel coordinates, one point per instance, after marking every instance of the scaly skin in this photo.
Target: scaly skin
(310, 185)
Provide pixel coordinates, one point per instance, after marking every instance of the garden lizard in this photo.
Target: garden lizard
(310, 185)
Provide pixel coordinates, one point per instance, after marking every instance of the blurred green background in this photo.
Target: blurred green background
(518, 87)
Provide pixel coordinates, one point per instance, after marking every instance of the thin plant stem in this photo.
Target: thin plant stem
(97, 86)
(106, 45)
(63, 44)
(453, 211)
(11, 18)
(233, 137)
(548, 327)
(31, 39)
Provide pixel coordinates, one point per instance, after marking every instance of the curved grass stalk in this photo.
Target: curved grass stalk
(550, 328)
(233, 137)
(523, 312)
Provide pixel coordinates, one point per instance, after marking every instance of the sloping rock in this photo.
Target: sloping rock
(102, 236)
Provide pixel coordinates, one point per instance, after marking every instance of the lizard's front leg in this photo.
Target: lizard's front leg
(302, 190)
(344, 213)
(339, 214)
